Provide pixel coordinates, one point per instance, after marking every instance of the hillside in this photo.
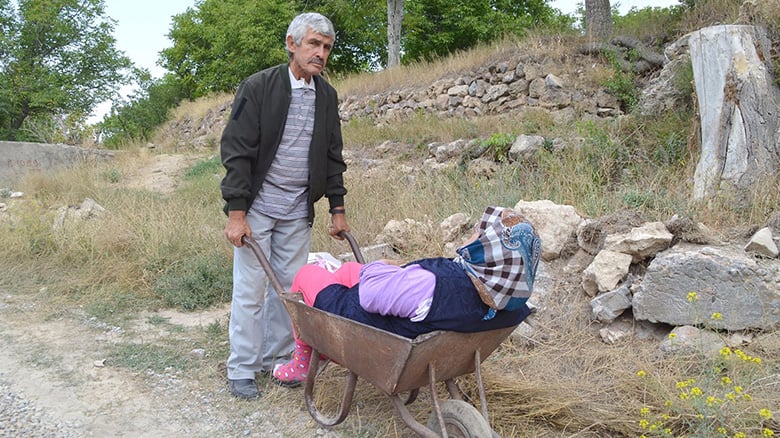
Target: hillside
(115, 323)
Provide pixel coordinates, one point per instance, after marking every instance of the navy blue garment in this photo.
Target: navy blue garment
(456, 305)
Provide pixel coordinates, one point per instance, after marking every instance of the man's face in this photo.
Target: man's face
(309, 58)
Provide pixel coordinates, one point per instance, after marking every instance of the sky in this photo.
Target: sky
(141, 27)
(570, 6)
(140, 31)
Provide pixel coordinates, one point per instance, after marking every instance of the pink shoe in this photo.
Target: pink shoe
(293, 373)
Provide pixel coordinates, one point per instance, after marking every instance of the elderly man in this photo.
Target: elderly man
(282, 150)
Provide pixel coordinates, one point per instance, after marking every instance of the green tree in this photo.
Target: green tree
(220, 42)
(434, 28)
(361, 32)
(57, 58)
(148, 107)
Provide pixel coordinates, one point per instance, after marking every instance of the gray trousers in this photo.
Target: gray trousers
(260, 330)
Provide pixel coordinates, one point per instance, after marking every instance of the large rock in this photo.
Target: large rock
(606, 271)
(742, 290)
(554, 223)
(641, 242)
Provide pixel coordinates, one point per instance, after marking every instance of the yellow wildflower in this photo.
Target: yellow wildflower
(765, 413)
(768, 433)
(717, 316)
(692, 296)
(683, 383)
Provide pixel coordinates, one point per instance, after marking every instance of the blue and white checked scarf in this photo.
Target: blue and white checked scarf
(502, 261)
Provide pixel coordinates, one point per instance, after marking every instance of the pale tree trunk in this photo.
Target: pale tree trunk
(395, 15)
(598, 20)
(738, 105)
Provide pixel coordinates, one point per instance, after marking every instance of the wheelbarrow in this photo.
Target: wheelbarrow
(394, 364)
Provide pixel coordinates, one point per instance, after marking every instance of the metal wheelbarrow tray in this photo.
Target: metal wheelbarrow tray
(393, 363)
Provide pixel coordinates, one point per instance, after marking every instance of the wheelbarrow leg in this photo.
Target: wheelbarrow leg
(456, 393)
(453, 389)
(346, 402)
(412, 396)
(435, 400)
(410, 421)
(480, 386)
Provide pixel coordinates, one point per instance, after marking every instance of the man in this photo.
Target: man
(282, 150)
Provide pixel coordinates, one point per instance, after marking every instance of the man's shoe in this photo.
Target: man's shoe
(244, 388)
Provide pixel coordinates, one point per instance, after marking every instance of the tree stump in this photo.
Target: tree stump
(739, 106)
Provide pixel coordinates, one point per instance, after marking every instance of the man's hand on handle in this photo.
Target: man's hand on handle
(237, 227)
(338, 223)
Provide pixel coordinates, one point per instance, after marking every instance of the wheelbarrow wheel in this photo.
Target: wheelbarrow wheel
(460, 420)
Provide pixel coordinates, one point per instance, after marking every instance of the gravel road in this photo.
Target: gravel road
(20, 417)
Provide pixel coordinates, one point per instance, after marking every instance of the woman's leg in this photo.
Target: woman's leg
(310, 280)
(348, 274)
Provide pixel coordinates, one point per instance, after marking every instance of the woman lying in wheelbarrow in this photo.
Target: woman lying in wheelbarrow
(484, 288)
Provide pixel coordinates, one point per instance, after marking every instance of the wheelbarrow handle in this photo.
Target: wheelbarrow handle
(354, 246)
(264, 263)
(277, 285)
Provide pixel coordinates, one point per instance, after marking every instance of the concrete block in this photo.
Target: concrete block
(18, 159)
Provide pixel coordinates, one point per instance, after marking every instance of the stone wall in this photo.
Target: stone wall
(503, 87)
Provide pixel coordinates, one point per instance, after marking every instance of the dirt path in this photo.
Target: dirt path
(55, 381)
(161, 174)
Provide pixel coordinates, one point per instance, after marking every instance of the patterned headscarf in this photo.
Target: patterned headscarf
(502, 261)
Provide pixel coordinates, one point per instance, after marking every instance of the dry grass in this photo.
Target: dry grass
(197, 109)
(565, 382)
(711, 13)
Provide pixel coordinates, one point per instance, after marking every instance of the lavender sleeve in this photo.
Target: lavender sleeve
(394, 290)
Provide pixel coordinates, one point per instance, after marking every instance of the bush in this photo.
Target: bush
(498, 146)
(196, 283)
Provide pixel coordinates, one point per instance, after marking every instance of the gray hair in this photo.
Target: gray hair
(309, 20)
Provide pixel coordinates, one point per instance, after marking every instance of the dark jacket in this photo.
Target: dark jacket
(253, 133)
(456, 305)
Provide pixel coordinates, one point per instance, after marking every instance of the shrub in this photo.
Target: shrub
(196, 283)
(498, 145)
